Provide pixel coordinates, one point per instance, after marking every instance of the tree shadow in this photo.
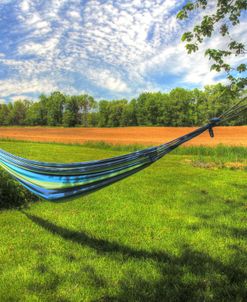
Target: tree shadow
(190, 276)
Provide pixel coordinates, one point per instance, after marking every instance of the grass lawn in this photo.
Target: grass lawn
(173, 232)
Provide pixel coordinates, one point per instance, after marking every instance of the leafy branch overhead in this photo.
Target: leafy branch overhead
(225, 16)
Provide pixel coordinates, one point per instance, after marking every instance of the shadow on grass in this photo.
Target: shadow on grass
(99, 245)
(12, 194)
(191, 276)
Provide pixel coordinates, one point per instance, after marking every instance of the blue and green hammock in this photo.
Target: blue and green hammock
(54, 182)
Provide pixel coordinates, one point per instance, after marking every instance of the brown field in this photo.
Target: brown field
(131, 135)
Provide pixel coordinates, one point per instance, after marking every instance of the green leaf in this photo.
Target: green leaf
(215, 67)
(242, 68)
(224, 30)
(182, 15)
(226, 67)
(189, 6)
(188, 36)
(191, 48)
(230, 77)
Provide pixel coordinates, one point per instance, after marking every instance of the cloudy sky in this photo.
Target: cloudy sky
(107, 48)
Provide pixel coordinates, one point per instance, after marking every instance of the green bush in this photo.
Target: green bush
(12, 194)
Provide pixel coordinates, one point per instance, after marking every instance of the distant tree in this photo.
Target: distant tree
(71, 111)
(68, 119)
(93, 115)
(9, 117)
(142, 110)
(4, 115)
(128, 117)
(150, 108)
(115, 111)
(218, 99)
(200, 113)
(86, 104)
(93, 118)
(43, 111)
(226, 15)
(34, 115)
(179, 107)
(55, 105)
(18, 111)
(103, 113)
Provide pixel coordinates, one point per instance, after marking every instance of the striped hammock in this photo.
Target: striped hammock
(54, 182)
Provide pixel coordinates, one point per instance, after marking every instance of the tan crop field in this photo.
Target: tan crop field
(234, 136)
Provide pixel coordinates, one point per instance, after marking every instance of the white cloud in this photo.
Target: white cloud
(40, 49)
(117, 45)
(194, 68)
(111, 35)
(15, 98)
(25, 5)
(14, 87)
(74, 14)
(105, 79)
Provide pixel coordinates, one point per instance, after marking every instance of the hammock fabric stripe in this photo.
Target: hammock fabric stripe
(53, 181)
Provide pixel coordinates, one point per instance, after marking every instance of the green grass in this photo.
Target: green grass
(173, 232)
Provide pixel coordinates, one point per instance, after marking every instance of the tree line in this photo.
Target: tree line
(179, 107)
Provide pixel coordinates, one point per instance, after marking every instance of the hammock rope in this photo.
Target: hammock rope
(55, 182)
(234, 111)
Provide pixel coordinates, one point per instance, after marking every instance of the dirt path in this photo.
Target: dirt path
(129, 135)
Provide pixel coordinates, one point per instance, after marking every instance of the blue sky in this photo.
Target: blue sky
(109, 49)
